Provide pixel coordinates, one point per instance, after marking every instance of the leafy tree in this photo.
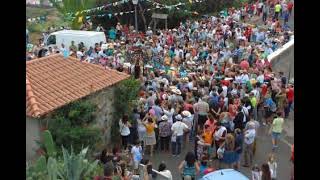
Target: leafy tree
(65, 7)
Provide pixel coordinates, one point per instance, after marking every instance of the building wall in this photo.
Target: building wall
(32, 134)
(104, 101)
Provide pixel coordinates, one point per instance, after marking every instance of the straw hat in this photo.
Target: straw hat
(202, 78)
(176, 91)
(172, 68)
(185, 79)
(164, 118)
(173, 87)
(186, 113)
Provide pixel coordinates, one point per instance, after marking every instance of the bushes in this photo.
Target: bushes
(125, 94)
(71, 126)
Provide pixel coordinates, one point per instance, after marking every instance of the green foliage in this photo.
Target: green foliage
(73, 6)
(126, 93)
(40, 164)
(76, 166)
(71, 167)
(53, 170)
(79, 112)
(49, 144)
(71, 126)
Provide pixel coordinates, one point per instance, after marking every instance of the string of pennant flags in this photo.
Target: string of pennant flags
(35, 19)
(101, 8)
(110, 15)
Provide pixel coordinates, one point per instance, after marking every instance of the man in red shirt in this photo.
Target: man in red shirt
(290, 7)
(290, 98)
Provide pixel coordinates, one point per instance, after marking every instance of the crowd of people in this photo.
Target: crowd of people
(207, 84)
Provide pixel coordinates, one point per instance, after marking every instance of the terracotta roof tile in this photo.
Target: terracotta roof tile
(53, 81)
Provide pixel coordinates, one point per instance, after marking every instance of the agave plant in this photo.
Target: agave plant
(70, 167)
(49, 144)
(76, 166)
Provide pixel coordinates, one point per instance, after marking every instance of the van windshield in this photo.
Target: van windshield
(51, 40)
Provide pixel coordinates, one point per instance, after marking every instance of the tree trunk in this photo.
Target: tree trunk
(143, 17)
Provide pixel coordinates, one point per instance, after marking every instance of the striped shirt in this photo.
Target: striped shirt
(203, 108)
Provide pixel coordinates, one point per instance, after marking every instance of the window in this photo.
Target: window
(51, 40)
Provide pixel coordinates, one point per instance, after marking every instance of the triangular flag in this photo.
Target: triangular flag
(80, 19)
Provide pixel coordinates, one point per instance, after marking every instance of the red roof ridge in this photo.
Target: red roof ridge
(42, 58)
(33, 102)
(75, 59)
(104, 68)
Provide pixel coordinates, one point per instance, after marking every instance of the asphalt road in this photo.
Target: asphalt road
(264, 147)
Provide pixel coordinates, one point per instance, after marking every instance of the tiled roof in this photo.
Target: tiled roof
(53, 81)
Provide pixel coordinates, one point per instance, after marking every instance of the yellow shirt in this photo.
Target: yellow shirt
(277, 8)
(150, 128)
(253, 101)
(207, 137)
(277, 125)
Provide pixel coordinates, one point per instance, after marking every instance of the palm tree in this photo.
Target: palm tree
(73, 7)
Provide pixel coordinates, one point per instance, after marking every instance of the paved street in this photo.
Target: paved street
(264, 145)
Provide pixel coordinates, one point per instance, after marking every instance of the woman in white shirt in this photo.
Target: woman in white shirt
(124, 125)
(165, 172)
(169, 111)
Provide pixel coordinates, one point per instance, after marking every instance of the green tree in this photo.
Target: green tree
(73, 7)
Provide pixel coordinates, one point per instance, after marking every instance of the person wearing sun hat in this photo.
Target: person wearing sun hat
(164, 133)
(188, 120)
(177, 129)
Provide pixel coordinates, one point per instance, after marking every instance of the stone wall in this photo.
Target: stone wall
(104, 101)
(32, 134)
(283, 59)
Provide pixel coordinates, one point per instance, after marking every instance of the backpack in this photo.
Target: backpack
(273, 106)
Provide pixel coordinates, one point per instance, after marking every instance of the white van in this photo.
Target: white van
(89, 38)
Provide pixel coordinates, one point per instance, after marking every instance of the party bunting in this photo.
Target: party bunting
(80, 19)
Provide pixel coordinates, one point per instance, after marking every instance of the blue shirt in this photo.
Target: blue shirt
(112, 34)
(202, 169)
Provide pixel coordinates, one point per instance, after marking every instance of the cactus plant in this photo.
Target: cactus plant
(76, 166)
(49, 144)
(52, 168)
(41, 164)
(72, 166)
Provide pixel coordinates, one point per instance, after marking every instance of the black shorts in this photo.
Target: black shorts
(268, 113)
